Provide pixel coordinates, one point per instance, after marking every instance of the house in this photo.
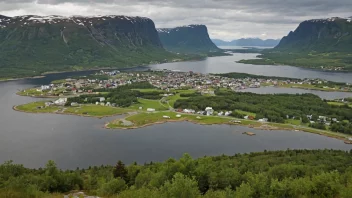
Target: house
(60, 101)
(227, 113)
(74, 104)
(101, 99)
(151, 110)
(178, 116)
(48, 104)
(97, 103)
(166, 117)
(245, 117)
(189, 111)
(209, 111)
(221, 113)
(108, 104)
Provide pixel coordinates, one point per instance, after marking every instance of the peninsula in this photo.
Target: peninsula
(156, 97)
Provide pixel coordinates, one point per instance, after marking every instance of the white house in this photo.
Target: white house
(102, 99)
(178, 116)
(189, 111)
(167, 117)
(209, 111)
(151, 110)
(60, 101)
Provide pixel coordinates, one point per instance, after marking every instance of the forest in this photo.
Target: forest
(277, 107)
(269, 174)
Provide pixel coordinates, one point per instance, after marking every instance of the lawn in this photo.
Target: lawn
(30, 92)
(246, 113)
(294, 122)
(142, 119)
(33, 107)
(145, 104)
(84, 110)
(150, 90)
(336, 103)
(96, 110)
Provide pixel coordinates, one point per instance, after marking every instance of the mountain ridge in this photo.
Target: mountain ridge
(187, 39)
(31, 44)
(323, 35)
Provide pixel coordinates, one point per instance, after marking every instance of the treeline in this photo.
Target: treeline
(290, 174)
(122, 96)
(277, 107)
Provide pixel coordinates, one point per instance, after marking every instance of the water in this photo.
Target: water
(72, 141)
(228, 64)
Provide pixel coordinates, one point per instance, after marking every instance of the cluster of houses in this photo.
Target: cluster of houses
(166, 80)
(209, 111)
(322, 119)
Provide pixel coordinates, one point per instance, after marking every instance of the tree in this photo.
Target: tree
(181, 187)
(121, 171)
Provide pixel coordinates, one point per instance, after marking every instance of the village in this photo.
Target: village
(166, 81)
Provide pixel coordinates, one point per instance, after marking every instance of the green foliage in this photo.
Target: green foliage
(274, 107)
(181, 187)
(291, 173)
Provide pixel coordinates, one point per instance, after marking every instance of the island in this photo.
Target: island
(156, 97)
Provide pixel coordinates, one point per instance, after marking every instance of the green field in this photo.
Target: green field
(83, 110)
(145, 104)
(245, 113)
(142, 119)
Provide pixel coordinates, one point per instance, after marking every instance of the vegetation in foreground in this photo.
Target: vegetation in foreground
(291, 173)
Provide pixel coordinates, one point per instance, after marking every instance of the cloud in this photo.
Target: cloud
(226, 19)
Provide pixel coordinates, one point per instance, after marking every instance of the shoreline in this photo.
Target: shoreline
(265, 126)
(14, 79)
(70, 114)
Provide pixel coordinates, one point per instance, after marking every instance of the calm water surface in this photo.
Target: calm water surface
(228, 64)
(72, 141)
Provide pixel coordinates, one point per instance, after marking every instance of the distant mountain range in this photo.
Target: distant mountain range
(187, 39)
(30, 45)
(248, 42)
(321, 35)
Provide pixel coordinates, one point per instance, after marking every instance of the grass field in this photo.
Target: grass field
(294, 122)
(145, 104)
(246, 113)
(83, 110)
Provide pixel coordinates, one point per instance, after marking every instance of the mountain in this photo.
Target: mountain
(322, 35)
(248, 42)
(187, 39)
(30, 45)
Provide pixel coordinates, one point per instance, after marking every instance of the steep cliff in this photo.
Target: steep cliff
(187, 39)
(33, 44)
(322, 35)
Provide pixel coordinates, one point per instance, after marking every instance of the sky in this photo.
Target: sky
(225, 19)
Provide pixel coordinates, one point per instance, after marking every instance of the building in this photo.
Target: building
(151, 110)
(60, 101)
(209, 111)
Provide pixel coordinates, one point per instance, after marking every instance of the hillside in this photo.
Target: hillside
(248, 42)
(30, 45)
(322, 35)
(187, 39)
(291, 173)
(319, 43)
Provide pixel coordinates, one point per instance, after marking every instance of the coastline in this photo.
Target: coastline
(70, 114)
(263, 126)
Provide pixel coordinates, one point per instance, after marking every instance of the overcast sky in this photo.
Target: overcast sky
(226, 19)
